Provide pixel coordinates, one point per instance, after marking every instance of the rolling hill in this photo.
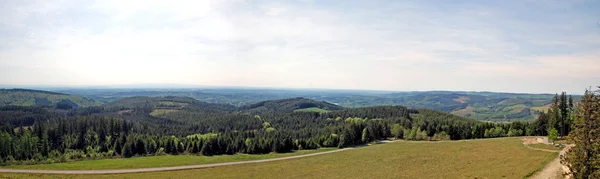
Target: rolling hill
(288, 105)
(488, 106)
(27, 97)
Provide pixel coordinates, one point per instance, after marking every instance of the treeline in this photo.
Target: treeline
(558, 120)
(204, 129)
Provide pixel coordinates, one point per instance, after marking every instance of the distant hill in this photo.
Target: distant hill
(289, 105)
(27, 97)
(489, 106)
(169, 102)
(482, 106)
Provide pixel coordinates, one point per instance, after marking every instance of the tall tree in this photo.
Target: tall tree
(554, 114)
(583, 159)
(570, 102)
(564, 112)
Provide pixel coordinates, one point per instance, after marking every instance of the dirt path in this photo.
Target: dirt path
(160, 168)
(139, 170)
(554, 169)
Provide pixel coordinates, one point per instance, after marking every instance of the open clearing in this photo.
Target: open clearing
(159, 112)
(464, 112)
(543, 108)
(312, 109)
(494, 158)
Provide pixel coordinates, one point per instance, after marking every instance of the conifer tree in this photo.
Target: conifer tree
(583, 159)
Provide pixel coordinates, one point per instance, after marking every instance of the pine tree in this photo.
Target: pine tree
(583, 159)
(554, 114)
(564, 112)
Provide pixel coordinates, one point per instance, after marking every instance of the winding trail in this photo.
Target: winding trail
(554, 169)
(139, 170)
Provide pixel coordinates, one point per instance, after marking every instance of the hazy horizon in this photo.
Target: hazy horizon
(497, 46)
(205, 87)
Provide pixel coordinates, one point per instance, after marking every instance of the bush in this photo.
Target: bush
(552, 134)
(71, 154)
(441, 136)
(160, 151)
(397, 131)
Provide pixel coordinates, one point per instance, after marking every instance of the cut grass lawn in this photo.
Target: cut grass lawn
(159, 161)
(312, 109)
(494, 158)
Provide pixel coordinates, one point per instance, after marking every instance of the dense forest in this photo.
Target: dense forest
(144, 126)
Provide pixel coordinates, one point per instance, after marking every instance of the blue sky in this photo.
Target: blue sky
(508, 46)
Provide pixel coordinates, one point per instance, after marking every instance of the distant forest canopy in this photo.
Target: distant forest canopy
(28, 97)
(487, 106)
(143, 126)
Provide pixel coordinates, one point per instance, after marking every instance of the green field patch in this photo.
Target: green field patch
(515, 108)
(461, 99)
(312, 109)
(171, 104)
(160, 161)
(160, 112)
(541, 108)
(466, 112)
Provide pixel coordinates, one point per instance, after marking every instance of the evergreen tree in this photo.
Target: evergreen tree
(564, 111)
(583, 159)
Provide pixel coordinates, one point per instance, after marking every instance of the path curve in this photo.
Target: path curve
(554, 169)
(545, 150)
(139, 170)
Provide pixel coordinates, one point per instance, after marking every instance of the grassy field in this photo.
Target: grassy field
(468, 111)
(159, 161)
(494, 158)
(312, 109)
(541, 108)
(159, 112)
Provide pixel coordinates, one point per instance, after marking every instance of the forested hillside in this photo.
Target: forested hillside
(288, 105)
(488, 106)
(141, 126)
(26, 97)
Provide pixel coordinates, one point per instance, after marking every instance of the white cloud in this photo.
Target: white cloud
(358, 45)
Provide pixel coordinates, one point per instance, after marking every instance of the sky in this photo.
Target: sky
(507, 46)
